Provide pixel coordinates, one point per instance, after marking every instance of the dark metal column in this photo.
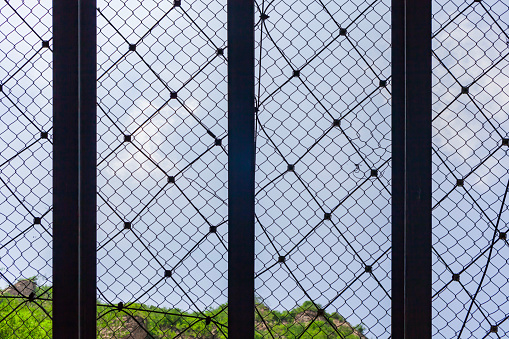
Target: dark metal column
(65, 170)
(418, 169)
(88, 164)
(241, 169)
(411, 169)
(398, 169)
(74, 169)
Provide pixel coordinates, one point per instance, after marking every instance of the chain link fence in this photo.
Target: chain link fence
(323, 180)
(323, 169)
(470, 182)
(162, 168)
(26, 169)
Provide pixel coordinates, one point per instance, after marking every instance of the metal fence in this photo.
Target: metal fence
(323, 179)
(162, 165)
(470, 120)
(334, 158)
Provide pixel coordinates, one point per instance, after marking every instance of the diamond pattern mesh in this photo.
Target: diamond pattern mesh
(25, 169)
(323, 166)
(323, 185)
(162, 164)
(470, 182)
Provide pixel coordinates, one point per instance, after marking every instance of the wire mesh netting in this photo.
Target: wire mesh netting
(162, 168)
(323, 177)
(25, 169)
(323, 169)
(470, 181)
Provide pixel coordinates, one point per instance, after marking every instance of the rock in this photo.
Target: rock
(350, 327)
(23, 287)
(307, 317)
(136, 326)
(128, 327)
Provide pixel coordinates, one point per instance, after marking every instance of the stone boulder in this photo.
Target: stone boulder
(307, 316)
(128, 327)
(23, 287)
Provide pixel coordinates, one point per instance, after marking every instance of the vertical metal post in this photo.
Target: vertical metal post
(398, 169)
(88, 168)
(74, 169)
(65, 170)
(412, 168)
(418, 169)
(241, 169)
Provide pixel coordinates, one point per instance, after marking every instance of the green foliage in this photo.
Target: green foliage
(164, 322)
(303, 322)
(20, 318)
